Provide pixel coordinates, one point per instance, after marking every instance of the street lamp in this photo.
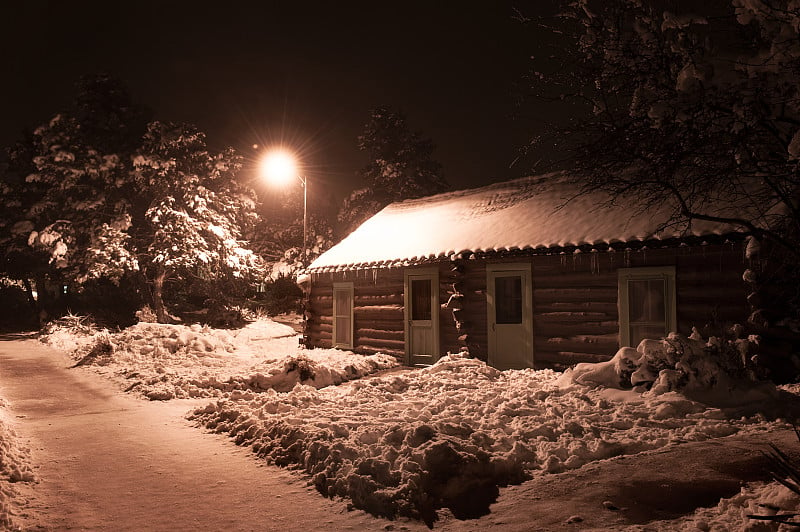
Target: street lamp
(279, 167)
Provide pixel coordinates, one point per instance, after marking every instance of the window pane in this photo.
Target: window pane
(508, 299)
(421, 299)
(646, 300)
(640, 332)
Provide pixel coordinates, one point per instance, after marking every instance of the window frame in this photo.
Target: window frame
(647, 273)
(343, 287)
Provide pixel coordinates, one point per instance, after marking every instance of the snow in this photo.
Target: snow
(759, 498)
(528, 213)
(162, 361)
(448, 436)
(14, 467)
(443, 440)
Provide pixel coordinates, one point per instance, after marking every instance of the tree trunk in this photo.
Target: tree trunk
(158, 302)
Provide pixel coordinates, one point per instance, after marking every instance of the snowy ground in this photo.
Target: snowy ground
(176, 361)
(14, 467)
(442, 440)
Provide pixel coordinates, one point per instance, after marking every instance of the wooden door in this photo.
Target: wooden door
(510, 315)
(422, 316)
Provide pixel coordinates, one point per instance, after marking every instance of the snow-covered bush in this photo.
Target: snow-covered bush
(673, 363)
(280, 295)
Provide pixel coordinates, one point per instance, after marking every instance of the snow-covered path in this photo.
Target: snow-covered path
(106, 461)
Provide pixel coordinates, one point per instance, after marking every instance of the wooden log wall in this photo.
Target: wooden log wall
(378, 322)
(575, 313)
(575, 316)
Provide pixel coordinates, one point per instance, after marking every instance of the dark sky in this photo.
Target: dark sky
(302, 73)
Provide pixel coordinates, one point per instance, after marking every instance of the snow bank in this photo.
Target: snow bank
(408, 443)
(712, 372)
(732, 514)
(163, 361)
(14, 467)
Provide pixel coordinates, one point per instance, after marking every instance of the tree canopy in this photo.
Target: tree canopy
(98, 193)
(401, 166)
(686, 104)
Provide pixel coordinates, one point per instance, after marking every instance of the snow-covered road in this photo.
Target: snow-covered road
(106, 461)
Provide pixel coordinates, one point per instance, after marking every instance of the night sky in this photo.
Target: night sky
(302, 73)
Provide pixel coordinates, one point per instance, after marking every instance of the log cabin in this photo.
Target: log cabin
(525, 273)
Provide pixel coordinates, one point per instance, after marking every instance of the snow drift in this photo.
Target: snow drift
(14, 467)
(163, 362)
(446, 436)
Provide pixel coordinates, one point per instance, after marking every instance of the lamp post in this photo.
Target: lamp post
(280, 167)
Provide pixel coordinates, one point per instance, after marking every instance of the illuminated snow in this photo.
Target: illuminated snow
(409, 441)
(14, 467)
(162, 361)
(532, 212)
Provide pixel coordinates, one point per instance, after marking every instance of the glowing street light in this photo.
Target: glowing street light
(279, 167)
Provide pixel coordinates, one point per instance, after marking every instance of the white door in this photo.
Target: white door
(422, 316)
(510, 315)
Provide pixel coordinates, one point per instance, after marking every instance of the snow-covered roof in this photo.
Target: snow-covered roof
(542, 212)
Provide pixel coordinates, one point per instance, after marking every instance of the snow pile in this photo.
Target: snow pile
(163, 361)
(70, 333)
(763, 499)
(408, 443)
(713, 372)
(14, 467)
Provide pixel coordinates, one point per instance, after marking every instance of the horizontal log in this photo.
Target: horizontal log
(380, 333)
(575, 279)
(366, 350)
(550, 295)
(571, 317)
(397, 325)
(700, 274)
(568, 358)
(607, 307)
(398, 345)
(379, 310)
(566, 330)
(317, 328)
(602, 345)
(721, 308)
(366, 300)
(321, 336)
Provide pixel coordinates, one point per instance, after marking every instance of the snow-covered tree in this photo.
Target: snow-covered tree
(191, 224)
(690, 104)
(91, 197)
(278, 237)
(401, 167)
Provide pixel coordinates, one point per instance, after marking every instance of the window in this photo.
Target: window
(420, 299)
(508, 299)
(343, 315)
(646, 303)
